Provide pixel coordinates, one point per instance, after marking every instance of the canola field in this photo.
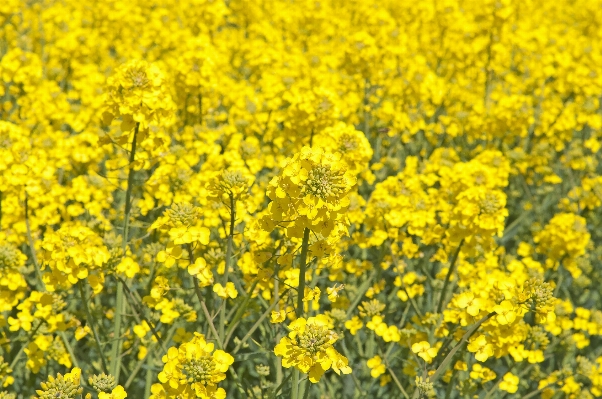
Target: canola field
(300, 199)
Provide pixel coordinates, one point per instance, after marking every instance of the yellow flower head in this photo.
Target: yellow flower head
(308, 347)
(64, 387)
(311, 191)
(423, 349)
(137, 93)
(193, 369)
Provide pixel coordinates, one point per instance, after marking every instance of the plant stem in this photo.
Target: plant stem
(115, 367)
(92, 326)
(40, 282)
(254, 327)
(149, 376)
(302, 267)
(397, 382)
(229, 250)
(448, 277)
(295, 386)
(68, 348)
(13, 363)
(279, 373)
(300, 294)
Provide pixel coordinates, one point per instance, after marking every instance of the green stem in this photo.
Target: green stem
(149, 376)
(279, 373)
(13, 363)
(40, 282)
(458, 346)
(452, 267)
(360, 293)
(239, 313)
(295, 385)
(304, 387)
(199, 295)
(397, 382)
(229, 250)
(115, 367)
(302, 267)
(69, 348)
(255, 327)
(92, 326)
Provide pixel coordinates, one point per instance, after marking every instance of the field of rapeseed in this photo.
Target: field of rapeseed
(300, 199)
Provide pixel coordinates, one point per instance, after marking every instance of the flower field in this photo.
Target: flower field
(300, 199)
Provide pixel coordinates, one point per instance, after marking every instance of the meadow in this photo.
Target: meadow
(300, 199)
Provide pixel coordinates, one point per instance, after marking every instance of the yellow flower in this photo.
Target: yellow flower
(193, 370)
(137, 93)
(309, 348)
(311, 191)
(229, 291)
(333, 292)
(482, 349)
(117, 393)
(278, 316)
(467, 300)
(481, 372)
(354, 325)
(66, 386)
(565, 235)
(200, 271)
(509, 383)
(81, 332)
(505, 312)
(311, 294)
(423, 349)
(376, 366)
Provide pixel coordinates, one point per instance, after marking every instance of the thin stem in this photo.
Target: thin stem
(69, 348)
(279, 373)
(136, 307)
(295, 385)
(397, 382)
(21, 350)
(229, 250)
(92, 326)
(199, 295)
(360, 293)
(239, 313)
(149, 376)
(115, 367)
(448, 277)
(255, 326)
(459, 345)
(302, 267)
(34, 258)
(305, 388)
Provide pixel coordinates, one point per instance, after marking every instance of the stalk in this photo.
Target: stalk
(296, 388)
(92, 326)
(302, 267)
(229, 250)
(115, 366)
(149, 376)
(34, 258)
(448, 277)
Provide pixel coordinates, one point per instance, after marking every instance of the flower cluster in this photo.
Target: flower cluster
(309, 347)
(193, 370)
